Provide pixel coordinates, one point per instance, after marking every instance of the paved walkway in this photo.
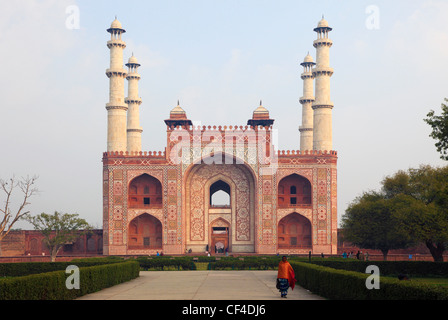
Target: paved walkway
(201, 285)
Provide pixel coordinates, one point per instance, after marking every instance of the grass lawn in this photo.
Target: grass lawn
(201, 265)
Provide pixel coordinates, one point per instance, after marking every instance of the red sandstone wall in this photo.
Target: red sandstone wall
(13, 244)
(29, 243)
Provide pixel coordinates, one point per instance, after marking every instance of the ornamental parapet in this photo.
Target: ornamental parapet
(307, 157)
(134, 158)
(200, 128)
(295, 153)
(121, 154)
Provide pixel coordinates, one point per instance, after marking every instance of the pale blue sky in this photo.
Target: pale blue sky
(219, 58)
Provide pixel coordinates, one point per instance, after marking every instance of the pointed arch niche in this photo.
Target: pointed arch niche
(294, 191)
(220, 195)
(145, 232)
(294, 232)
(145, 191)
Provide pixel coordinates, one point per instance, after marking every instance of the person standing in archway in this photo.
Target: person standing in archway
(286, 277)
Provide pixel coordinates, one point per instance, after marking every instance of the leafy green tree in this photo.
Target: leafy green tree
(439, 126)
(59, 229)
(369, 223)
(420, 203)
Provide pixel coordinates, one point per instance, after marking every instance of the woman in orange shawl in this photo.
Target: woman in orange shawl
(285, 277)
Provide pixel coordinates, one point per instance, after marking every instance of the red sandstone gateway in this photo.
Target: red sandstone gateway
(277, 201)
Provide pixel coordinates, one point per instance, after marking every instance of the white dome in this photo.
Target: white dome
(133, 60)
(308, 58)
(177, 109)
(116, 24)
(323, 24)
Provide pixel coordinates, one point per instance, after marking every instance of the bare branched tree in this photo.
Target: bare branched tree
(8, 215)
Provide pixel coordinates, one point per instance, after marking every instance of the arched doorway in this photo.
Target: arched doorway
(294, 232)
(236, 182)
(219, 236)
(145, 232)
(34, 247)
(145, 191)
(294, 191)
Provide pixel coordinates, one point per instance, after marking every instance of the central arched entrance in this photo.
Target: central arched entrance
(236, 183)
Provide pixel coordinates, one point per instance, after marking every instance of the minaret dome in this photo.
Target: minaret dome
(116, 26)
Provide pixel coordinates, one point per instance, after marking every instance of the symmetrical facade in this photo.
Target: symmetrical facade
(277, 201)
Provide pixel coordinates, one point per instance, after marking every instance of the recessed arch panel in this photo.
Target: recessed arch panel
(294, 231)
(145, 232)
(145, 191)
(294, 191)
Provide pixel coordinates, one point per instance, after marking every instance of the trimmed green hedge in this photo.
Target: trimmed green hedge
(27, 268)
(189, 263)
(246, 264)
(349, 285)
(159, 263)
(52, 285)
(392, 268)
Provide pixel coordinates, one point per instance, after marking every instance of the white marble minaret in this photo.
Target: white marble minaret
(306, 129)
(134, 131)
(116, 108)
(322, 106)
